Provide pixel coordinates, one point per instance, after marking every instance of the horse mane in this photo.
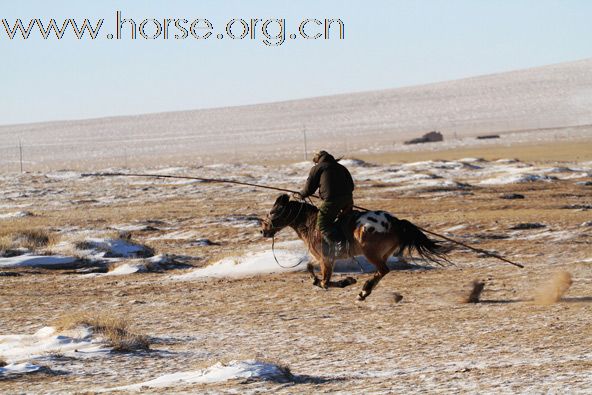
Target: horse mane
(305, 214)
(305, 223)
(305, 206)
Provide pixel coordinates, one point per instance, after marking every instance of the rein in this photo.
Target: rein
(273, 242)
(277, 261)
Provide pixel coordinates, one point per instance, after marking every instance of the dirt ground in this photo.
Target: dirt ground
(428, 342)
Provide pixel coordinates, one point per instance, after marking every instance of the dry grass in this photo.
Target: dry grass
(5, 243)
(115, 330)
(227, 318)
(556, 150)
(553, 291)
(282, 366)
(234, 254)
(56, 354)
(32, 239)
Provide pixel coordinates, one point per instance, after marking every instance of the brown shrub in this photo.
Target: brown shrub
(283, 367)
(114, 330)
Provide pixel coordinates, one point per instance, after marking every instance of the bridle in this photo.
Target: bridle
(270, 222)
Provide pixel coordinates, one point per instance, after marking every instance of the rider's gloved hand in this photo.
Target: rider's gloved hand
(298, 195)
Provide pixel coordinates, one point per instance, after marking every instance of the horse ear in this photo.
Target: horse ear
(282, 200)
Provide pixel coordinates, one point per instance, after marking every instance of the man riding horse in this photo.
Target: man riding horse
(336, 188)
(377, 235)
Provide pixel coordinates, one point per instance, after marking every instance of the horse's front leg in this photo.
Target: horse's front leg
(315, 280)
(326, 272)
(326, 266)
(331, 284)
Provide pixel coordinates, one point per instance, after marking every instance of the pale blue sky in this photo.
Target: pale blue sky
(387, 44)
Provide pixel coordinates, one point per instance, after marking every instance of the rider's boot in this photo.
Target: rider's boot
(333, 244)
(328, 247)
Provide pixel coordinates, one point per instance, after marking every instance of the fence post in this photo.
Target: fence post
(305, 146)
(21, 154)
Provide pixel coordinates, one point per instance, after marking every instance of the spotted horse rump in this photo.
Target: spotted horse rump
(375, 222)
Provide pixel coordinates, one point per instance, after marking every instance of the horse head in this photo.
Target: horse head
(278, 218)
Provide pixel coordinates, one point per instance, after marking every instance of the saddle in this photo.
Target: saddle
(346, 223)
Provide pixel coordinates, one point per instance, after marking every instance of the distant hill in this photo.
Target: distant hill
(543, 97)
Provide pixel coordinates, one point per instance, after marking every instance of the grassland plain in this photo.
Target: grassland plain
(430, 341)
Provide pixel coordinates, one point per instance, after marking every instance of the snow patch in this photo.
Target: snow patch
(250, 369)
(177, 235)
(127, 268)
(172, 170)
(28, 260)
(455, 228)
(132, 228)
(78, 341)
(517, 179)
(18, 214)
(289, 253)
(253, 263)
(471, 160)
(18, 368)
(161, 259)
(156, 263)
(113, 248)
(63, 175)
(551, 235)
(427, 184)
(354, 163)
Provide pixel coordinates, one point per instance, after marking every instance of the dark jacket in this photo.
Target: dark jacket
(332, 179)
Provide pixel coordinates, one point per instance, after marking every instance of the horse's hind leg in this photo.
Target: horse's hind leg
(346, 282)
(373, 282)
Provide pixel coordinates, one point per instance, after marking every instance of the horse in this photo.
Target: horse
(377, 235)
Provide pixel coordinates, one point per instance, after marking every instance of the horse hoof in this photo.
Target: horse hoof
(350, 281)
(361, 297)
(398, 297)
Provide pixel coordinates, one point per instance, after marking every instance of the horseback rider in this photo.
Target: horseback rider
(336, 188)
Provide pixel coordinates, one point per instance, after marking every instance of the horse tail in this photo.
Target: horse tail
(411, 239)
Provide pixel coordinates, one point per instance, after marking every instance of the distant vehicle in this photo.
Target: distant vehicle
(431, 137)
